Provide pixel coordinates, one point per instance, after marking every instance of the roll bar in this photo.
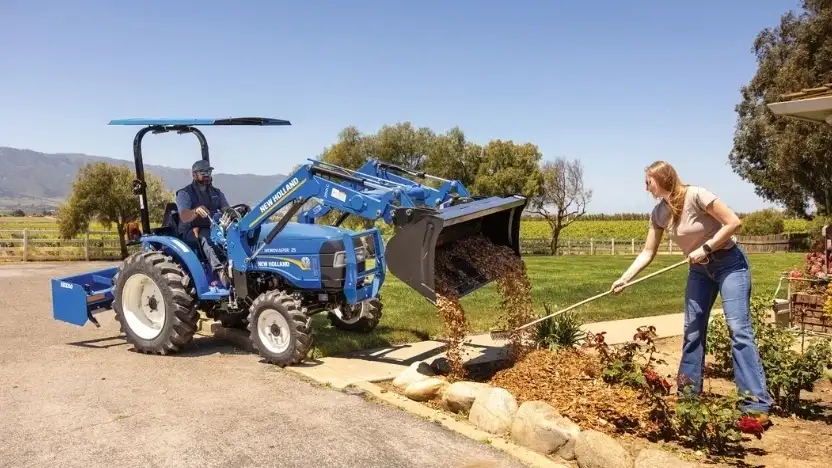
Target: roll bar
(180, 126)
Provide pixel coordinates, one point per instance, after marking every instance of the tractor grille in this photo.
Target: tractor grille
(332, 252)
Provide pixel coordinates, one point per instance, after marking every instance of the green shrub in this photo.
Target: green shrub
(709, 422)
(763, 223)
(560, 331)
(788, 372)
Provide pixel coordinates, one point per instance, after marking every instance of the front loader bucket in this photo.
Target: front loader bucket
(75, 298)
(411, 253)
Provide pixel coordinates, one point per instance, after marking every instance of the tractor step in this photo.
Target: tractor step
(76, 298)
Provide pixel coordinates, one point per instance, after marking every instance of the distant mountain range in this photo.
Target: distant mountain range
(39, 181)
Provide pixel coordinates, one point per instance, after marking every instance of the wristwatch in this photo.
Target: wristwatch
(707, 248)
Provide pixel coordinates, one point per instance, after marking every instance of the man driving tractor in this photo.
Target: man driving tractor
(195, 203)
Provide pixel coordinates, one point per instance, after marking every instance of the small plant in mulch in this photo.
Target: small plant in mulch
(712, 422)
(788, 372)
(634, 365)
(559, 332)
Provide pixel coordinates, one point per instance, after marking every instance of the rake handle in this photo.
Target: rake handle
(680, 263)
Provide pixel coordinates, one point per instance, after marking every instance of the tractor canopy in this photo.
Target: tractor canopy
(254, 121)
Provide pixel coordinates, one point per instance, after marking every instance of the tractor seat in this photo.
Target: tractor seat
(170, 222)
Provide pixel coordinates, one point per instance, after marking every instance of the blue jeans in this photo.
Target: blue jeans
(727, 273)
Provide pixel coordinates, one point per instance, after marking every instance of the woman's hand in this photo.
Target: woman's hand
(618, 285)
(697, 256)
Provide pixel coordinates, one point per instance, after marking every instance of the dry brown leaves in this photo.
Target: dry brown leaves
(496, 263)
(571, 382)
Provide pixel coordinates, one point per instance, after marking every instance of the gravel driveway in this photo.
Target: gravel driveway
(74, 396)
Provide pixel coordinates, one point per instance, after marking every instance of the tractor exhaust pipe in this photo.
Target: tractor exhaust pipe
(421, 233)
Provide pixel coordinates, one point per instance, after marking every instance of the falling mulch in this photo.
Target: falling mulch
(463, 266)
(571, 382)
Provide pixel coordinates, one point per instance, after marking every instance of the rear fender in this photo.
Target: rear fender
(188, 258)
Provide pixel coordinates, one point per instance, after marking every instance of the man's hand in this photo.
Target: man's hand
(202, 211)
(697, 256)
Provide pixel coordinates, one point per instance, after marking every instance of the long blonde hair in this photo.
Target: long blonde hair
(668, 179)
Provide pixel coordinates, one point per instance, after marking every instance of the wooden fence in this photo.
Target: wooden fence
(607, 246)
(45, 245)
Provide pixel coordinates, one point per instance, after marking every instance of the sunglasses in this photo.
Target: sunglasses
(205, 173)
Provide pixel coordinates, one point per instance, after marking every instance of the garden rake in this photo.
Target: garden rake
(505, 334)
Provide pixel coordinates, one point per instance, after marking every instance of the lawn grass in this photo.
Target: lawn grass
(559, 281)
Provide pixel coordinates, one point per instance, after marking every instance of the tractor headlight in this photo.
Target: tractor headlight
(340, 258)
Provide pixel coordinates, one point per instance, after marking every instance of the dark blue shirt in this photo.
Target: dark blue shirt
(183, 200)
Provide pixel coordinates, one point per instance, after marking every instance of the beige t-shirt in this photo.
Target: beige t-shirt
(695, 225)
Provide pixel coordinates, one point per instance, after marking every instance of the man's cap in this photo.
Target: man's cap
(201, 165)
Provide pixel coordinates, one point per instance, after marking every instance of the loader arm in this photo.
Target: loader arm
(384, 174)
(331, 188)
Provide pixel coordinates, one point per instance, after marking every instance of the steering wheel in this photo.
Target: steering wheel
(232, 213)
(242, 209)
(236, 212)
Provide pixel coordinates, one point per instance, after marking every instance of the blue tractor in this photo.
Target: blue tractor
(284, 271)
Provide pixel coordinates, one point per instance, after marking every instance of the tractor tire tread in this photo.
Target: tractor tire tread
(301, 324)
(179, 295)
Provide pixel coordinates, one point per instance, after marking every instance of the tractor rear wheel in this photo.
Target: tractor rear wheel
(365, 316)
(154, 303)
(280, 332)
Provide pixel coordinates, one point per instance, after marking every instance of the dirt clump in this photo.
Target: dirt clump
(462, 267)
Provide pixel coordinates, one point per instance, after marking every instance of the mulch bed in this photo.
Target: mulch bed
(571, 382)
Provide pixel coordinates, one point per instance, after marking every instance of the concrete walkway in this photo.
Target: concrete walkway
(386, 363)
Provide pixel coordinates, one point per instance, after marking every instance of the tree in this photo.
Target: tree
(351, 151)
(763, 223)
(104, 192)
(453, 157)
(402, 144)
(508, 168)
(562, 198)
(787, 160)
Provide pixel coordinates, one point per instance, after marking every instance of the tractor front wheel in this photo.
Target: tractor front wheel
(154, 303)
(280, 332)
(364, 318)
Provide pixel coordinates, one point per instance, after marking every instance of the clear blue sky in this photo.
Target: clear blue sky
(637, 81)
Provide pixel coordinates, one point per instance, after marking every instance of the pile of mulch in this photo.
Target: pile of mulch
(571, 382)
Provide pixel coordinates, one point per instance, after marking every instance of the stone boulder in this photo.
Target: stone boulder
(427, 389)
(594, 449)
(493, 410)
(459, 396)
(538, 426)
(651, 458)
(417, 371)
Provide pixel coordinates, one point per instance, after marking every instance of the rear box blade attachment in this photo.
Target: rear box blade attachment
(76, 298)
(421, 233)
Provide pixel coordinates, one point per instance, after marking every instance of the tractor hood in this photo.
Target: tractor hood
(296, 231)
(300, 238)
